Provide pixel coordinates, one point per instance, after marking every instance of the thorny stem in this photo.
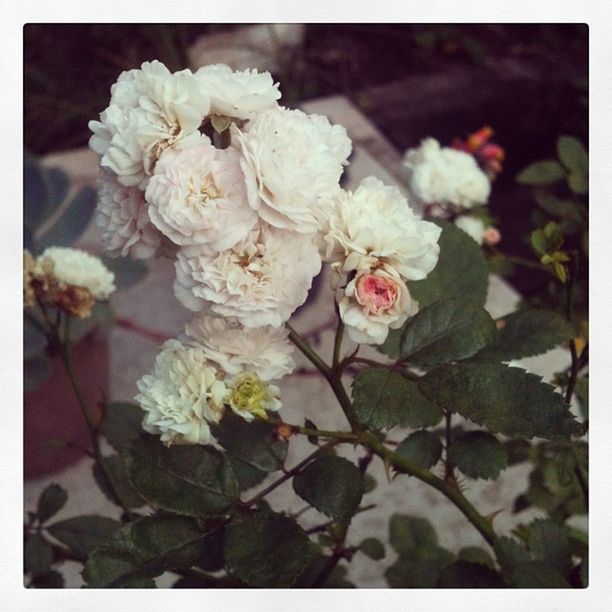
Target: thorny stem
(337, 345)
(526, 263)
(449, 475)
(569, 316)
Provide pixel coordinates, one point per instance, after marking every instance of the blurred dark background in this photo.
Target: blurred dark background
(529, 82)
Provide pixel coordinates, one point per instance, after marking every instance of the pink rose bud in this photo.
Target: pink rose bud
(492, 236)
(376, 293)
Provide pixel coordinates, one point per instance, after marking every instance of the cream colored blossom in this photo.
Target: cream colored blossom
(123, 220)
(375, 225)
(265, 351)
(472, 226)
(373, 302)
(251, 397)
(260, 281)
(182, 395)
(237, 95)
(197, 197)
(291, 161)
(150, 110)
(78, 268)
(442, 175)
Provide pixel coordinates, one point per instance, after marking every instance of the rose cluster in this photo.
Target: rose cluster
(244, 194)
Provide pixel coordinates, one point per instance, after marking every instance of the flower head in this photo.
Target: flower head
(442, 175)
(374, 225)
(182, 395)
(291, 162)
(472, 226)
(197, 196)
(265, 351)
(150, 110)
(260, 281)
(240, 94)
(123, 219)
(373, 302)
(251, 397)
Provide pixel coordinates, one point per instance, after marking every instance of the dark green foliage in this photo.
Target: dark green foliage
(372, 548)
(122, 423)
(422, 448)
(266, 549)
(114, 482)
(333, 485)
(37, 555)
(549, 543)
(478, 455)
(503, 399)
(51, 501)
(383, 398)
(188, 480)
(468, 575)
(543, 172)
(83, 534)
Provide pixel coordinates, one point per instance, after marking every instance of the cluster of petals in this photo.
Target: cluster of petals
(443, 175)
(377, 241)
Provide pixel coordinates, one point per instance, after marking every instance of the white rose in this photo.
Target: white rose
(291, 161)
(373, 302)
(150, 110)
(197, 196)
(375, 224)
(123, 219)
(265, 351)
(472, 226)
(250, 397)
(182, 395)
(78, 268)
(260, 281)
(238, 95)
(442, 175)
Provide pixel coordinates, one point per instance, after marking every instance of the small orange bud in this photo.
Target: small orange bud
(284, 431)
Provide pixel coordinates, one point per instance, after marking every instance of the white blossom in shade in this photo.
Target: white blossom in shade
(374, 225)
(472, 226)
(150, 110)
(197, 196)
(123, 220)
(260, 281)
(78, 268)
(251, 397)
(375, 301)
(265, 351)
(240, 94)
(442, 175)
(291, 161)
(182, 395)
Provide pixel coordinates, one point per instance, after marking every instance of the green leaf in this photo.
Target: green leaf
(461, 271)
(584, 572)
(526, 333)
(122, 424)
(83, 534)
(383, 398)
(333, 485)
(446, 331)
(478, 455)
(539, 242)
(410, 533)
(256, 443)
(473, 554)
(310, 425)
(578, 183)
(369, 483)
(466, 575)
(192, 480)
(549, 543)
(127, 271)
(509, 553)
(51, 501)
(555, 206)
(420, 569)
(538, 575)
(422, 448)
(372, 548)
(266, 549)
(582, 393)
(246, 475)
(573, 155)
(114, 483)
(503, 399)
(73, 221)
(312, 571)
(143, 549)
(38, 555)
(543, 172)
